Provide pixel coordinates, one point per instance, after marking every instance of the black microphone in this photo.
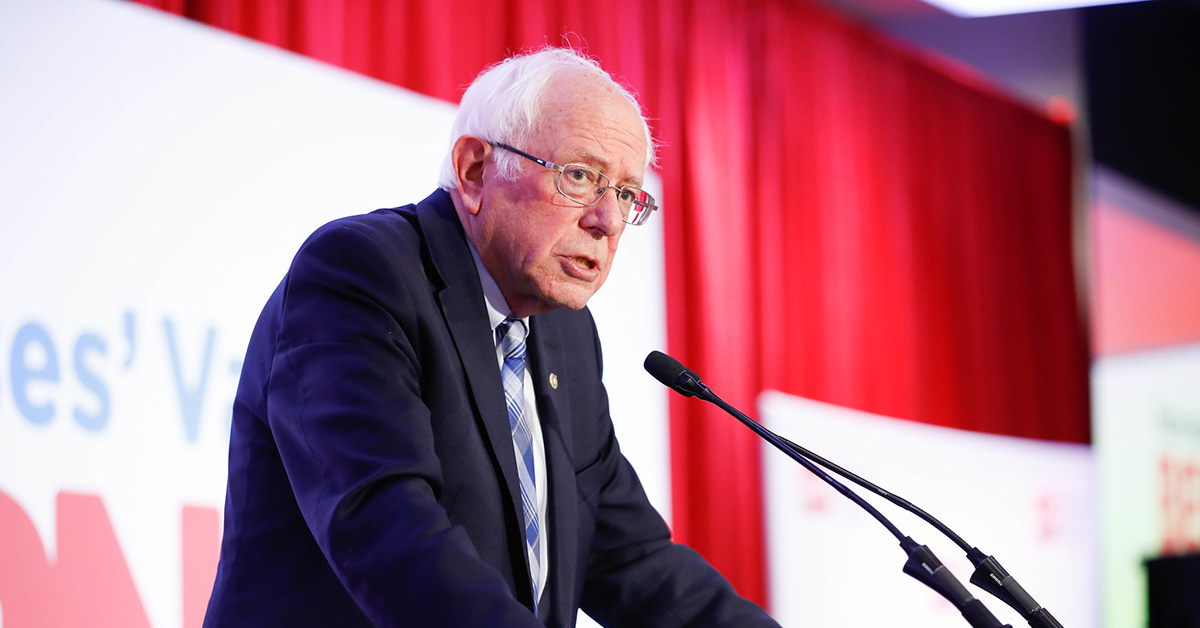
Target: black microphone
(921, 564)
(675, 376)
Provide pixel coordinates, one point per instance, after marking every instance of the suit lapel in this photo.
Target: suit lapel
(465, 313)
(553, 399)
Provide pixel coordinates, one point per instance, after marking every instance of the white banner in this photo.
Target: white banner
(156, 178)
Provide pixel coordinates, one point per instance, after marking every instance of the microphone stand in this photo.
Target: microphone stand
(921, 564)
(989, 575)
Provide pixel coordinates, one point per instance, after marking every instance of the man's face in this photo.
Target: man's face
(544, 250)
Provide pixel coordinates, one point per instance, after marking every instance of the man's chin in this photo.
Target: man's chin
(571, 296)
(574, 301)
(560, 293)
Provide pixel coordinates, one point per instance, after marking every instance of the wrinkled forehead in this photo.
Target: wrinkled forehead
(588, 120)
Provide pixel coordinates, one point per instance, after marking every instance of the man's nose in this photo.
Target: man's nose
(605, 217)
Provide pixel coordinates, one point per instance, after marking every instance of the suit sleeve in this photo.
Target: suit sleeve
(356, 441)
(636, 575)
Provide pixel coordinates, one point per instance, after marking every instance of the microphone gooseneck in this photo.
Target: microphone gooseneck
(686, 382)
(921, 565)
(989, 575)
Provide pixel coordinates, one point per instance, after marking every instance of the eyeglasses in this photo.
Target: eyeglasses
(586, 186)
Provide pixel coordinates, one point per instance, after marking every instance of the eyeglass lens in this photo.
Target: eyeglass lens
(586, 185)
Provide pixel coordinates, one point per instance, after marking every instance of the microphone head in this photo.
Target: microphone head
(671, 373)
(663, 367)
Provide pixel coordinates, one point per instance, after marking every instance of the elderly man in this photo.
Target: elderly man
(420, 435)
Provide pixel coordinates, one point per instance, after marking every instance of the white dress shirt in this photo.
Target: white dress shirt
(498, 312)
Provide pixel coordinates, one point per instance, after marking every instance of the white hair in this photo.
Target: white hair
(504, 104)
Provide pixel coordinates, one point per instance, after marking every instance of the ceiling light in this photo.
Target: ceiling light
(983, 8)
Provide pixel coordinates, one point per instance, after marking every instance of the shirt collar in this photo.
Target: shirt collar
(498, 310)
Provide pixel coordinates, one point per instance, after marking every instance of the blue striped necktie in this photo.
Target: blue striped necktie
(512, 345)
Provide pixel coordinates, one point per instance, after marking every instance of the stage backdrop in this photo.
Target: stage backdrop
(846, 220)
(156, 177)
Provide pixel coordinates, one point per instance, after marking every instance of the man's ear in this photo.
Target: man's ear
(469, 157)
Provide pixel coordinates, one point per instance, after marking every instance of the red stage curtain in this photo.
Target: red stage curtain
(845, 219)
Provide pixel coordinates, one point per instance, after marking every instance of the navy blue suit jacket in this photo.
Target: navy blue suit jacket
(372, 480)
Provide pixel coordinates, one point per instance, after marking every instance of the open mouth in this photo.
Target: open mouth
(584, 262)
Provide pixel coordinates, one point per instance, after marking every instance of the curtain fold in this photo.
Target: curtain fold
(845, 219)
